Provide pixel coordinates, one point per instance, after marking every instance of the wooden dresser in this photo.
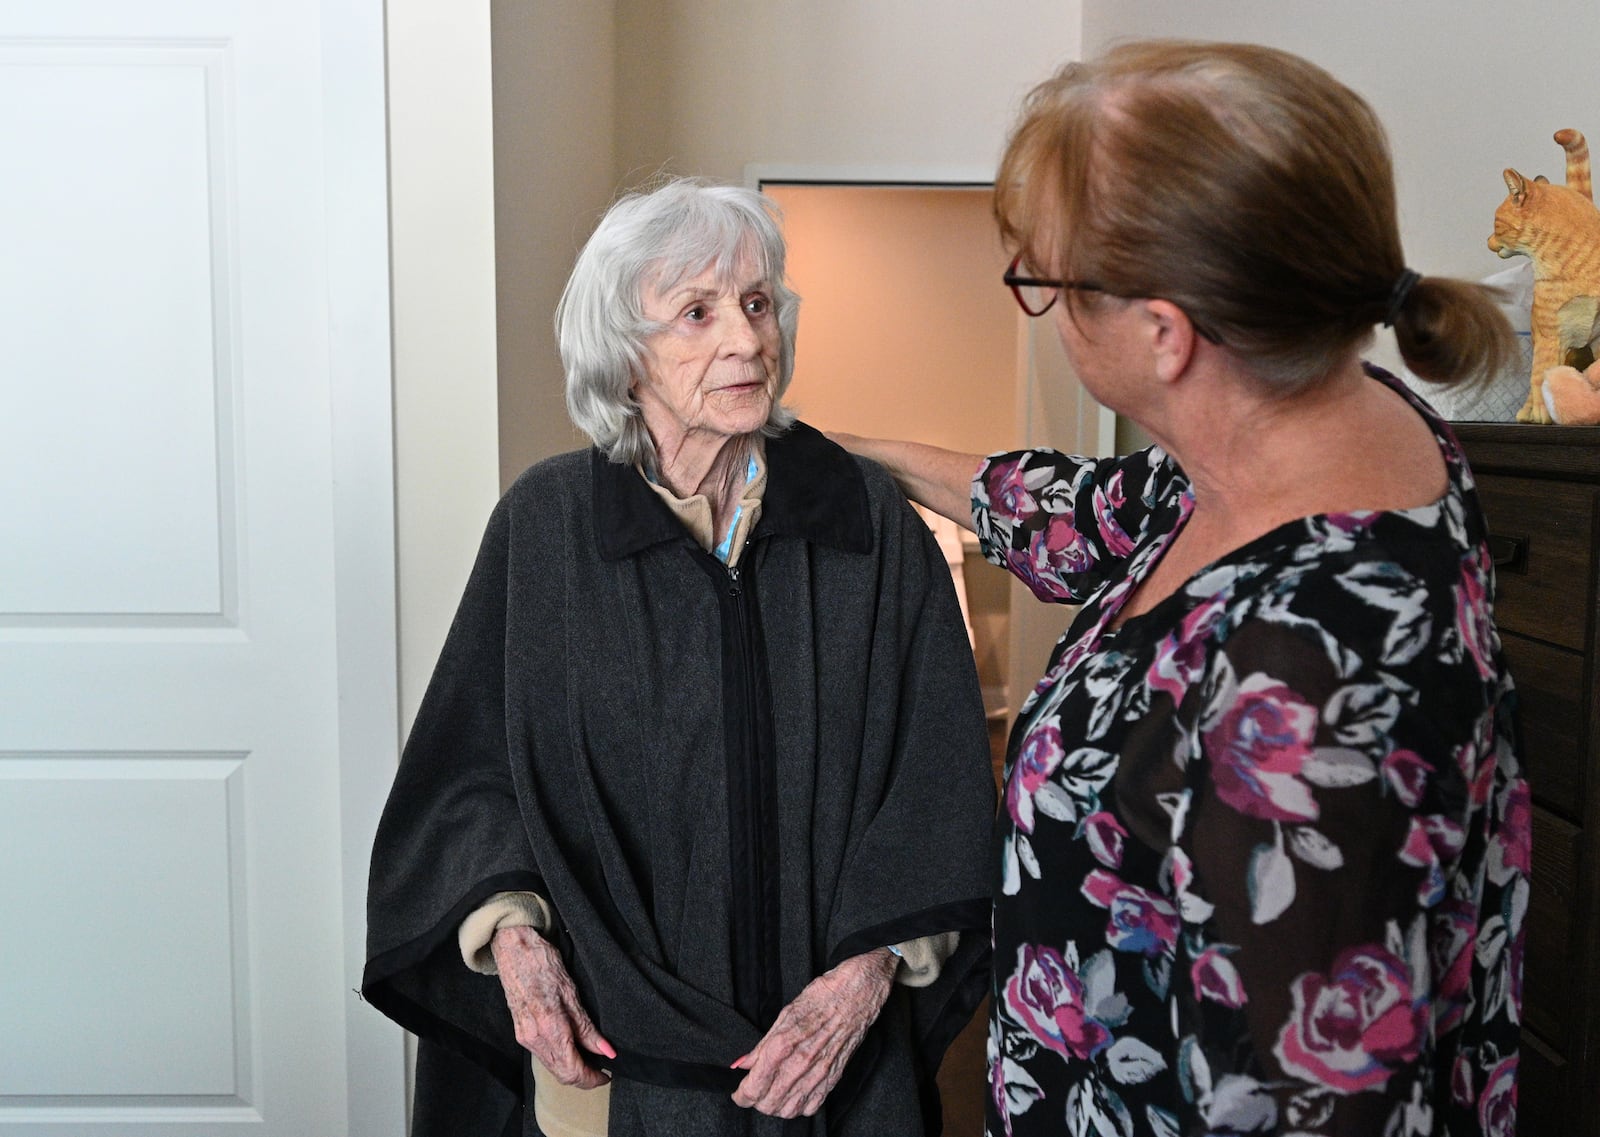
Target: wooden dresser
(1540, 488)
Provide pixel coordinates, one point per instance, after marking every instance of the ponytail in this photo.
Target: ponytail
(1453, 331)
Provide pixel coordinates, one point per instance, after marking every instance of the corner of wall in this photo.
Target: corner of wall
(443, 287)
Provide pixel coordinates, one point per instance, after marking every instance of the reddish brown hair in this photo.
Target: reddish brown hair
(1247, 186)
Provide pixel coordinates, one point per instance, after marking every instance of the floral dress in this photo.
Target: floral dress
(1264, 848)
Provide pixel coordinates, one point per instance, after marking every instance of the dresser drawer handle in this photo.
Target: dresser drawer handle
(1510, 554)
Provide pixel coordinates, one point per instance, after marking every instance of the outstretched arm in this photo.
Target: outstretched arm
(929, 475)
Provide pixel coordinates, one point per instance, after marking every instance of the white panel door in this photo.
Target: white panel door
(193, 377)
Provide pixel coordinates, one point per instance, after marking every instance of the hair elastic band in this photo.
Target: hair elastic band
(1399, 294)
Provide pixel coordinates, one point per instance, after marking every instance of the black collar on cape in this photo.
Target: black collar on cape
(814, 491)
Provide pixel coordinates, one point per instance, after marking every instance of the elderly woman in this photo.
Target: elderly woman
(702, 774)
(1263, 857)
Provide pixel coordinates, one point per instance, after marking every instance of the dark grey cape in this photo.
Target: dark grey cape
(725, 783)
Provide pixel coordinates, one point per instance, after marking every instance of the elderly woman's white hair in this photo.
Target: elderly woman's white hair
(655, 239)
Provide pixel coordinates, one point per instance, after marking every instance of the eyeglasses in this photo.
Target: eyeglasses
(1036, 295)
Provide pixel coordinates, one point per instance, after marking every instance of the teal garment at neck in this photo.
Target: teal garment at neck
(724, 548)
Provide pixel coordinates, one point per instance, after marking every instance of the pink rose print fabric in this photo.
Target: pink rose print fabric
(1049, 996)
(1259, 749)
(1350, 1030)
(1265, 847)
(1140, 920)
(1215, 978)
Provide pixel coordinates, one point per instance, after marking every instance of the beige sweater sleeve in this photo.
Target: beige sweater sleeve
(502, 910)
(921, 959)
(561, 1111)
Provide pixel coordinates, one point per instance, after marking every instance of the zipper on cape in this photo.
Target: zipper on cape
(754, 912)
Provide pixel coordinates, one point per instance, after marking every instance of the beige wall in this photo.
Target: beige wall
(554, 107)
(706, 86)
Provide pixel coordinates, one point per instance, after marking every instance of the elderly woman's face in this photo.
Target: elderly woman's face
(713, 368)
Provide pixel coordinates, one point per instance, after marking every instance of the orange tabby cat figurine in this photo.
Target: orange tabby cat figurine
(1558, 227)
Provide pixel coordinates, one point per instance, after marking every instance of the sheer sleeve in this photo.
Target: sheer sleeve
(1351, 876)
(1064, 525)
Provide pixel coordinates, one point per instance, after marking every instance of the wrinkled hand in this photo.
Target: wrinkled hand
(793, 1068)
(551, 1022)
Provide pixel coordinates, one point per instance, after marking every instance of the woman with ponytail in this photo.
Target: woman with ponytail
(1262, 860)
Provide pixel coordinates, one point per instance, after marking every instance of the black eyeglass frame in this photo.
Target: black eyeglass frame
(1017, 282)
